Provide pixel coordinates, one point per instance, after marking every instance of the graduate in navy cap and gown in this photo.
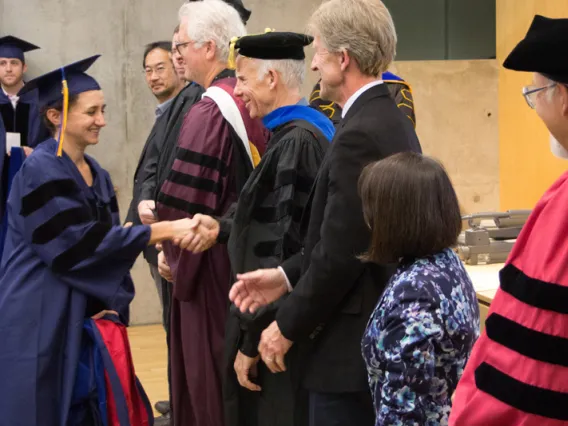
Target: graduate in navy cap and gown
(21, 124)
(67, 257)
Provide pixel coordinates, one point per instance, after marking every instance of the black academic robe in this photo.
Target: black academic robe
(264, 231)
(26, 121)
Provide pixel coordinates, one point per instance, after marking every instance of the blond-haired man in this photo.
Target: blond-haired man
(333, 292)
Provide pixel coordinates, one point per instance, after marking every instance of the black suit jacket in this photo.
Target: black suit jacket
(156, 171)
(149, 154)
(335, 293)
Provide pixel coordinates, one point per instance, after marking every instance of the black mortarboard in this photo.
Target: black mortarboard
(274, 45)
(50, 85)
(13, 47)
(543, 50)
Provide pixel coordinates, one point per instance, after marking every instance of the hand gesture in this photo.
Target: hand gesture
(258, 288)
(204, 235)
(146, 209)
(246, 368)
(164, 268)
(28, 151)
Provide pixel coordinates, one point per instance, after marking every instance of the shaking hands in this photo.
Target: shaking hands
(202, 235)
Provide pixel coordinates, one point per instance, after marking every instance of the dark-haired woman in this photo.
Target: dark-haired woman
(66, 259)
(421, 333)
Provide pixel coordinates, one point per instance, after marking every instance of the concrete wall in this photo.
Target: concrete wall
(456, 101)
(70, 30)
(457, 122)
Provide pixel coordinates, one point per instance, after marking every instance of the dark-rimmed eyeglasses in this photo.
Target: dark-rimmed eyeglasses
(180, 45)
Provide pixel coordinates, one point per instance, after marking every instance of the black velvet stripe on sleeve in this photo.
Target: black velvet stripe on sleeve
(56, 225)
(292, 177)
(195, 182)
(530, 343)
(46, 192)
(202, 160)
(276, 214)
(183, 205)
(534, 292)
(84, 249)
(523, 397)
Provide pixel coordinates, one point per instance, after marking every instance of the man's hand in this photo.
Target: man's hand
(28, 151)
(164, 268)
(128, 225)
(103, 313)
(246, 367)
(204, 237)
(257, 289)
(273, 347)
(146, 209)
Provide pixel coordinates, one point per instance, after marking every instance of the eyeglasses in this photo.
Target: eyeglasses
(159, 70)
(180, 45)
(529, 92)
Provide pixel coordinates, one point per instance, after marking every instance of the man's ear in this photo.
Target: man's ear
(211, 50)
(345, 59)
(563, 92)
(25, 68)
(273, 78)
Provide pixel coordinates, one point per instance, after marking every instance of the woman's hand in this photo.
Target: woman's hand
(103, 313)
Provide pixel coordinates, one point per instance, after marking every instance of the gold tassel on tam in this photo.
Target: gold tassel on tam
(63, 126)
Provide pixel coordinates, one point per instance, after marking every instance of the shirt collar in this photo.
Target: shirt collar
(357, 94)
(14, 99)
(162, 108)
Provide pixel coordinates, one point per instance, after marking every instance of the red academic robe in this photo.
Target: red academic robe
(209, 171)
(517, 374)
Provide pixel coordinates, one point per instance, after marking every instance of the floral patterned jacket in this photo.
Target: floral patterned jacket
(418, 340)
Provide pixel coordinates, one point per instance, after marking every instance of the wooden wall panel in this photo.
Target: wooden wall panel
(527, 168)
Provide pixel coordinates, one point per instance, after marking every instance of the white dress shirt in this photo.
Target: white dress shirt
(14, 99)
(357, 94)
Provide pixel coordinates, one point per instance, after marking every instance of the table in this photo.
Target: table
(485, 279)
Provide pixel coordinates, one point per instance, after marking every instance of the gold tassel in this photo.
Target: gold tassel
(232, 64)
(64, 119)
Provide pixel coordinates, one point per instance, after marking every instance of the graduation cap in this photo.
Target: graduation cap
(13, 47)
(270, 45)
(543, 50)
(59, 84)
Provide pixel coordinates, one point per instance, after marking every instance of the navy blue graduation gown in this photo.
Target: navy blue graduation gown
(25, 119)
(66, 258)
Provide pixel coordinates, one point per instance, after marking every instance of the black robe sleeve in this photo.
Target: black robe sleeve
(291, 169)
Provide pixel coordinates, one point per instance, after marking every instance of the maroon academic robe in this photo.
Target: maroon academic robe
(210, 169)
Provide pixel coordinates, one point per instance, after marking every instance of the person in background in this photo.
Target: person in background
(212, 163)
(399, 89)
(165, 85)
(264, 228)
(67, 257)
(334, 293)
(518, 369)
(21, 125)
(421, 332)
